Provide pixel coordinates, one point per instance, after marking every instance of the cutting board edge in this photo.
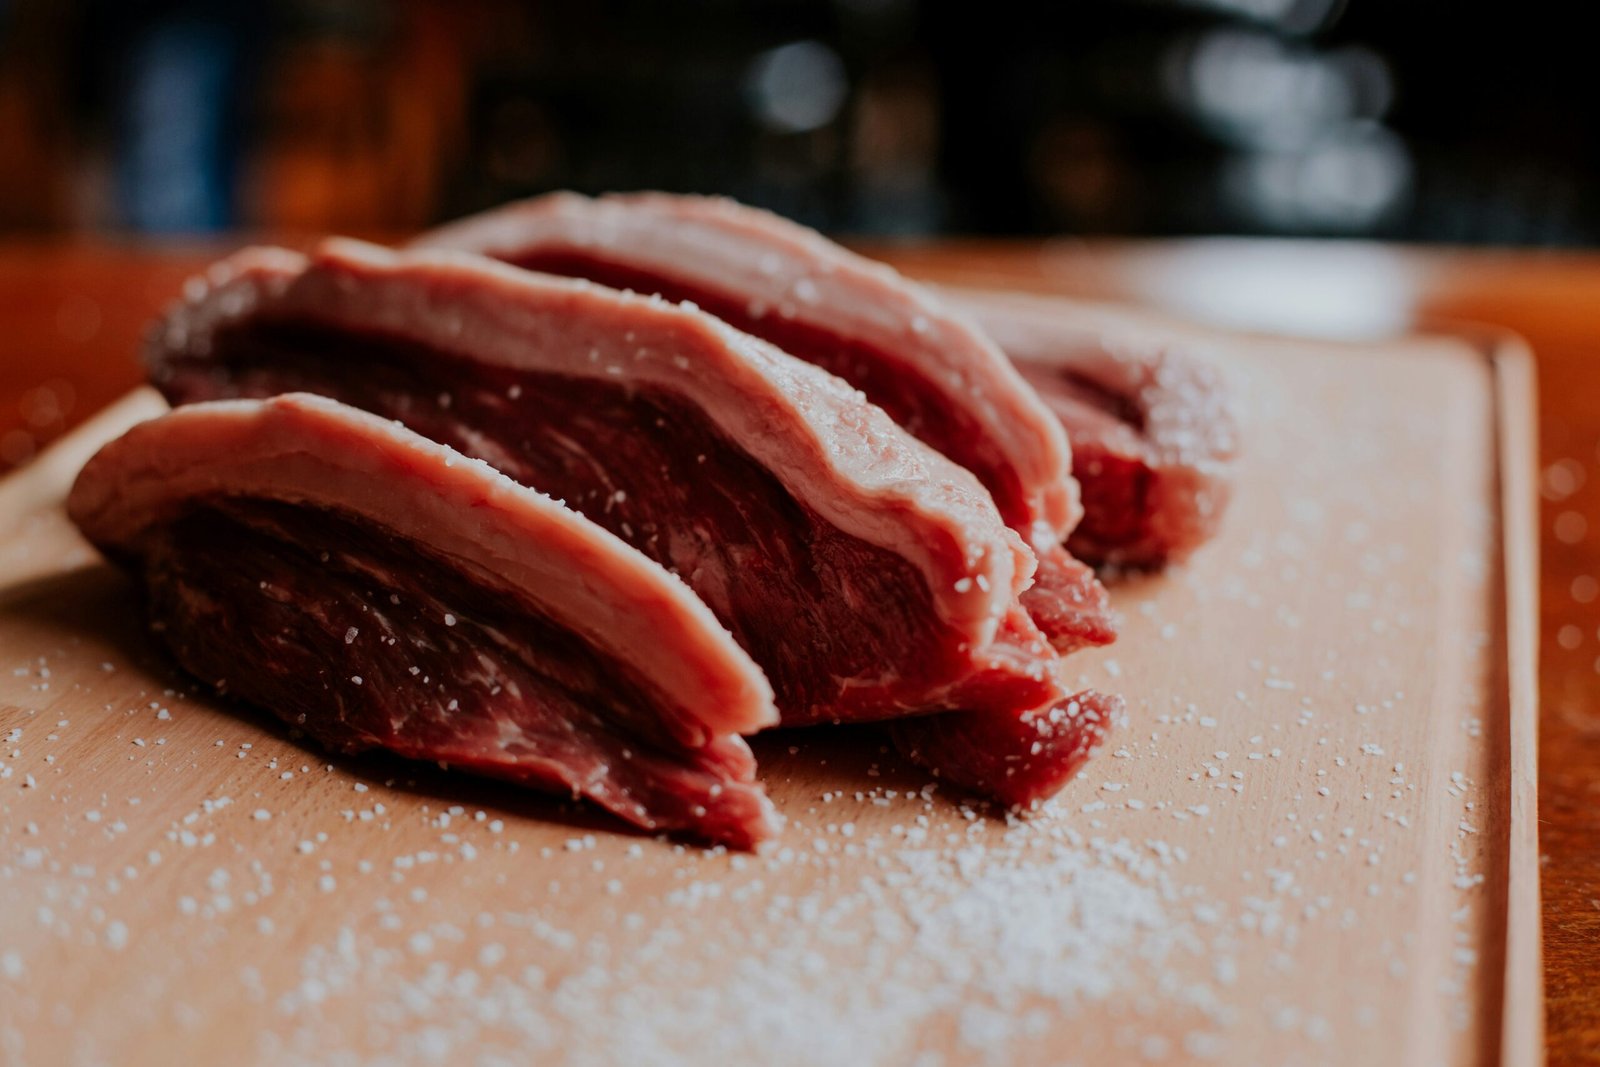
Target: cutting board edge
(1516, 431)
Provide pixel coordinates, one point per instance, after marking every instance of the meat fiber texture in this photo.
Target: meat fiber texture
(870, 577)
(926, 365)
(378, 590)
(1153, 434)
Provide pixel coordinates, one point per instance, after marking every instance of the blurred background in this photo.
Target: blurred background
(1425, 120)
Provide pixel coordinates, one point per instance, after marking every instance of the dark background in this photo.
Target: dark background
(1421, 120)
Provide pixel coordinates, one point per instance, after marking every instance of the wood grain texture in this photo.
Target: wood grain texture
(112, 282)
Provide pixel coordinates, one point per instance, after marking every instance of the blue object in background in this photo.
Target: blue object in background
(175, 109)
(175, 167)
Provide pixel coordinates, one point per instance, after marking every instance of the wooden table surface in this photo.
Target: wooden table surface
(71, 315)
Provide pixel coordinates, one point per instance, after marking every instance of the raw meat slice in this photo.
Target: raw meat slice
(1020, 760)
(934, 374)
(869, 576)
(1068, 603)
(379, 590)
(1153, 436)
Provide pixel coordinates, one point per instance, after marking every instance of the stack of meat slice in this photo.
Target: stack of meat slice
(866, 496)
(870, 577)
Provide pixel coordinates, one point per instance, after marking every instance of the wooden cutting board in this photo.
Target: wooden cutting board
(1314, 842)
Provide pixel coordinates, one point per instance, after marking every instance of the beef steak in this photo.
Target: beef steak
(1153, 434)
(929, 368)
(379, 590)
